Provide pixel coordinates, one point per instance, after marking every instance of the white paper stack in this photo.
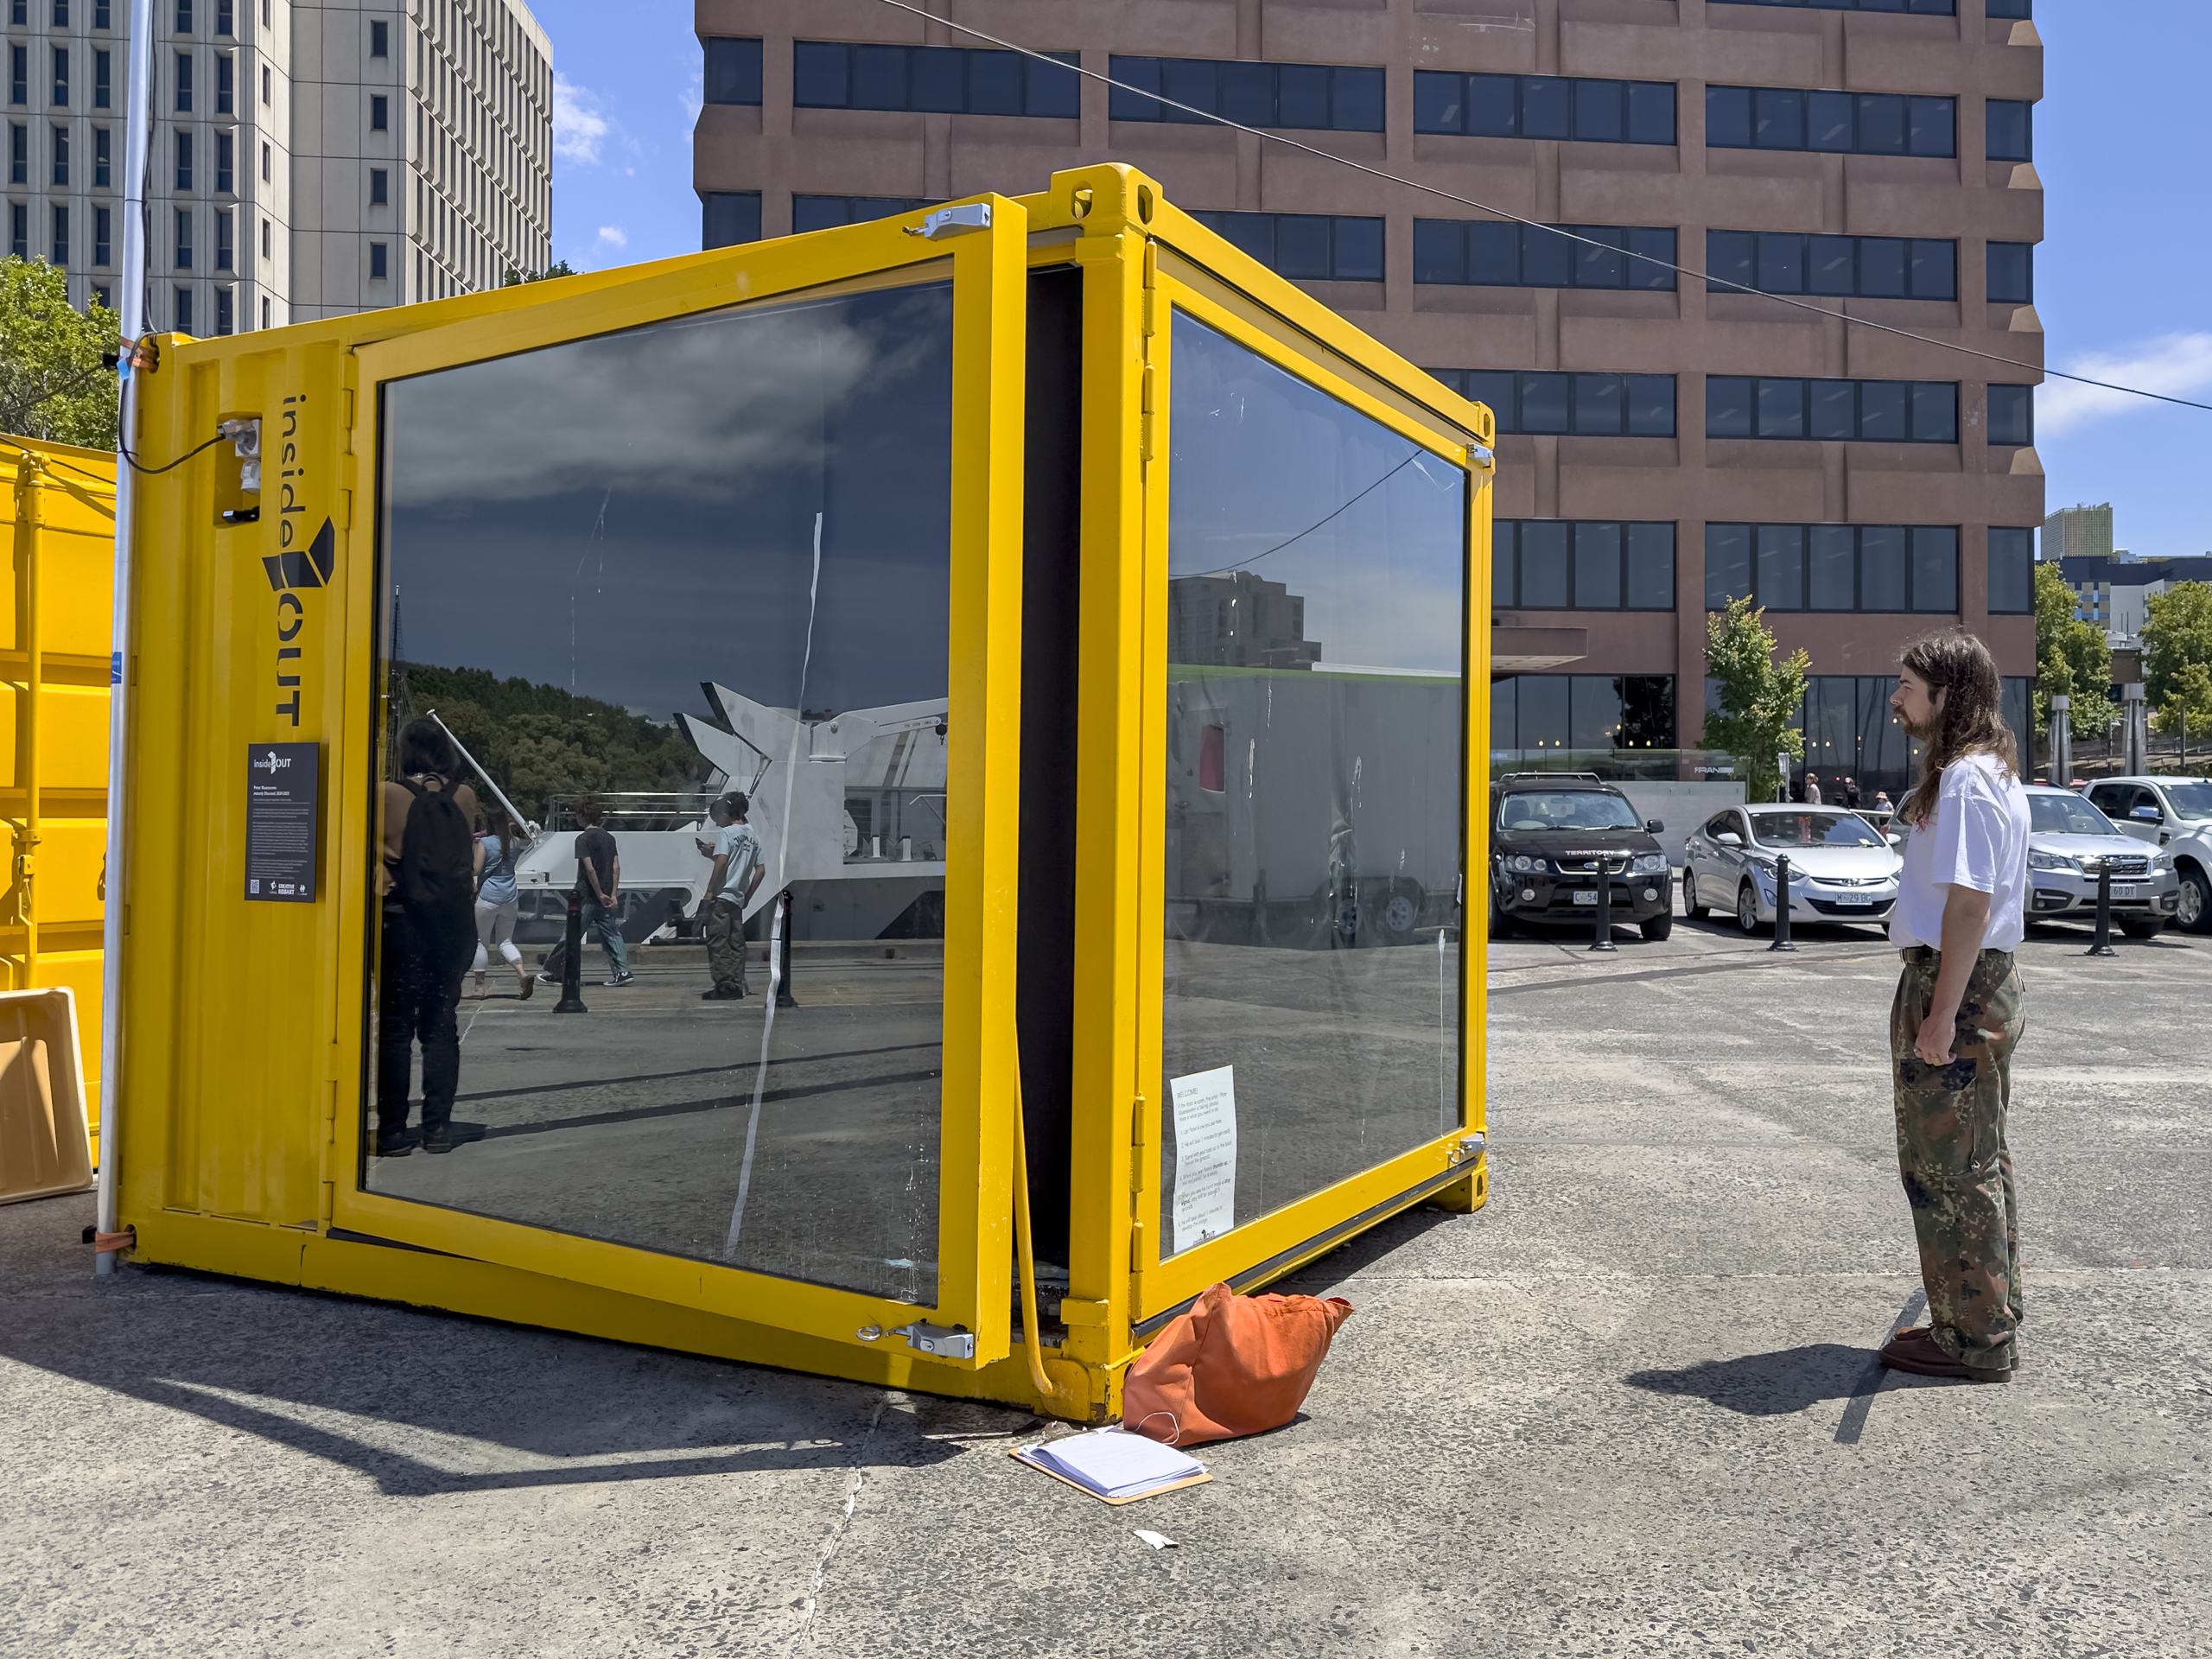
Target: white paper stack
(1113, 1462)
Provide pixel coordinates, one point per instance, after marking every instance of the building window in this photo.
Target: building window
(265, 238)
(102, 14)
(1862, 411)
(225, 220)
(379, 262)
(19, 154)
(264, 313)
(61, 236)
(1498, 253)
(945, 79)
(2012, 415)
(1870, 568)
(225, 169)
(183, 81)
(1307, 96)
(265, 163)
(184, 239)
(1537, 716)
(2010, 7)
(61, 14)
(1545, 106)
(60, 145)
(183, 161)
(19, 13)
(733, 70)
(2012, 570)
(264, 83)
(102, 223)
(19, 229)
(1637, 405)
(104, 298)
(1845, 267)
(379, 187)
(103, 80)
(19, 74)
(379, 112)
(1306, 247)
(2011, 129)
(824, 213)
(61, 77)
(1548, 564)
(225, 84)
(1837, 123)
(184, 17)
(225, 300)
(225, 23)
(183, 297)
(379, 38)
(729, 216)
(1924, 7)
(103, 160)
(2012, 271)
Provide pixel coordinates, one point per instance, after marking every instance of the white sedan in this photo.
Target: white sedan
(1840, 868)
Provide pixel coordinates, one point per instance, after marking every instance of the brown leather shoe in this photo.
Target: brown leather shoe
(1916, 1351)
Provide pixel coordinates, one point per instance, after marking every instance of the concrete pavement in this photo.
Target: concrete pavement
(1625, 1409)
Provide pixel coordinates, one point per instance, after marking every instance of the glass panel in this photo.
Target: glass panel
(1301, 95)
(1728, 117)
(1651, 405)
(1599, 115)
(1440, 251)
(1934, 568)
(1651, 112)
(1547, 257)
(1494, 253)
(1359, 250)
(1655, 243)
(1935, 411)
(1596, 712)
(1502, 714)
(1491, 107)
(1779, 118)
(1829, 265)
(1302, 245)
(1782, 409)
(1828, 121)
(1597, 567)
(1546, 107)
(1543, 565)
(1601, 266)
(1882, 411)
(1881, 568)
(1727, 407)
(1935, 271)
(1881, 267)
(1501, 563)
(1782, 566)
(1340, 832)
(1933, 127)
(1881, 124)
(1835, 568)
(1437, 101)
(1727, 564)
(1544, 712)
(1651, 567)
(2012, 570)
(1600, 404)
(1543, 402)
(1835, 410)
(577, 539)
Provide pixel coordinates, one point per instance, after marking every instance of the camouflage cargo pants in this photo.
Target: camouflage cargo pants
(1951, 1151)
(725, 932)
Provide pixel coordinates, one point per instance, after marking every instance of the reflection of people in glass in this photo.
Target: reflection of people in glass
(599, 878)
(496, 899)
(428, 879)
(738, 867)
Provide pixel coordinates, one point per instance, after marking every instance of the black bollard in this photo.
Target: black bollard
(572, 956)
(784, 997)
(1781, 905)
(2102, 947)
(1605, 939)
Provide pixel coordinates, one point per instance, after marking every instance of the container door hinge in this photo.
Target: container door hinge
(1136, 1246)
(944, 1341)
(1469, 1148)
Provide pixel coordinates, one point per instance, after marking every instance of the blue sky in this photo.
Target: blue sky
(2121, 146)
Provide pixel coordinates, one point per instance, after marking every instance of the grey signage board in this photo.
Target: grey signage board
(282, 821)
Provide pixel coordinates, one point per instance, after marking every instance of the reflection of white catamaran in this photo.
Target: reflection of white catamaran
(848, 807)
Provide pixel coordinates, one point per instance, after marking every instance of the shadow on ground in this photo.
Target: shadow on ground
(1766, 1385)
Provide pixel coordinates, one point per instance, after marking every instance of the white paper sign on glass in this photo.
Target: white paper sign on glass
(1205, 1155)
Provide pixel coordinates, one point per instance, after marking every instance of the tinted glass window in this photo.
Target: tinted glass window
(1343, 786)
(1303, 96)
(1597, 567)
(1882, 568)
(1782, 566)
(1934, 568)
(1544, 568)
(2012, 414)
(761, 499)
(1870, 124)
(2011, 136)
(1525, 810)
(1868, 568)
(1833, 567)
(1813, 830)
(1543, 106)
(2012, 570)
(1650, 568)
(941, 80)
(1727, 564)
(729, 216)
(2063, 813)
(2011, 273)
(733, 73)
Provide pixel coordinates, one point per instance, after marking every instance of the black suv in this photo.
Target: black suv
(1549, 830)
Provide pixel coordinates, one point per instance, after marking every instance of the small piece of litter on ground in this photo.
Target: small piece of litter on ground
(1158, 1540)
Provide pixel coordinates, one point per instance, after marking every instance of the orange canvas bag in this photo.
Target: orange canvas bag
(1232, 1365)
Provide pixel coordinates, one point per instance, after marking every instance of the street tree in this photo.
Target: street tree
(2176, 636)
(2186, 711)
(1759, 696)
(52, 385)
(516, 278)
(2073, 657)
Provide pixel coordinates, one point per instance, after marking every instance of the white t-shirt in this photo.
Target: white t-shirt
(741, 846)
(1978, 839)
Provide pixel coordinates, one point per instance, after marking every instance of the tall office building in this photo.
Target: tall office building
(2079, 533)
(308, 160)
(1668, 445)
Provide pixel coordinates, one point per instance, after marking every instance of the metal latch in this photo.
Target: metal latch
(944, 1341)
(1470, 1147)
(954, 222)
(1479, 456)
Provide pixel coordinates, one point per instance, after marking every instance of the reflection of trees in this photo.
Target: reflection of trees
(538, 740)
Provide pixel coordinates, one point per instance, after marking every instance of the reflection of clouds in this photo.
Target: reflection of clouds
(1260, 459)
(708, 405)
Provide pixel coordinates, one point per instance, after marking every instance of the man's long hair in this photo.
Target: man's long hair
(1972, 720)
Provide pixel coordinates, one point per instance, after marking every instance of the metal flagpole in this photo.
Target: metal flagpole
(138, 133)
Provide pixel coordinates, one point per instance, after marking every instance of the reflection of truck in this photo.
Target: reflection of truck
(862, 795)
(1313, 809)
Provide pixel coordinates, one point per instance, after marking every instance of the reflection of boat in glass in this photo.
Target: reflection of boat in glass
(848, 807)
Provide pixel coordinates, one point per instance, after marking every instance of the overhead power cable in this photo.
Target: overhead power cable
(1500, 213)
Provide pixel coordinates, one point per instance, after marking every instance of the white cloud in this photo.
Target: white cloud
(611, 236)
(2180, 365)
(578, 126)
(692, 97)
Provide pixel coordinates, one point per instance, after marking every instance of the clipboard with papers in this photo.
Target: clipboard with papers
(1112, 1465)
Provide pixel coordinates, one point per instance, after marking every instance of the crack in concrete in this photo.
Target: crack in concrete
(805, 1634)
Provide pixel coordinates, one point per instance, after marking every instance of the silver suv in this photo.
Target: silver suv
(2176, 814)
(2069, 842)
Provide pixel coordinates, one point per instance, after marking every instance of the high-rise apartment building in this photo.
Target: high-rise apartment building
(307, 160)
(1667, 445)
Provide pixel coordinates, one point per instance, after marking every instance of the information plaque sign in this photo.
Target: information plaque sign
(283, 783)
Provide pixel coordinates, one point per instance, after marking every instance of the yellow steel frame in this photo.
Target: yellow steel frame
(243, 1040)
(982, 805)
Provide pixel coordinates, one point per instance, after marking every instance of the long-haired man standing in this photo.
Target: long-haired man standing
(1959, 915)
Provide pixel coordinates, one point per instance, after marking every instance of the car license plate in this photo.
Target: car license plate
(1590, 898)
(2123, 889)
(1864, 902)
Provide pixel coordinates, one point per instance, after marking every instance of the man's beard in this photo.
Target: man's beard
(1918, 734)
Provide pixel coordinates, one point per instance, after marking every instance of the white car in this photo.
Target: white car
(2069, 842)
(2175, 814)
(1840, 868)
